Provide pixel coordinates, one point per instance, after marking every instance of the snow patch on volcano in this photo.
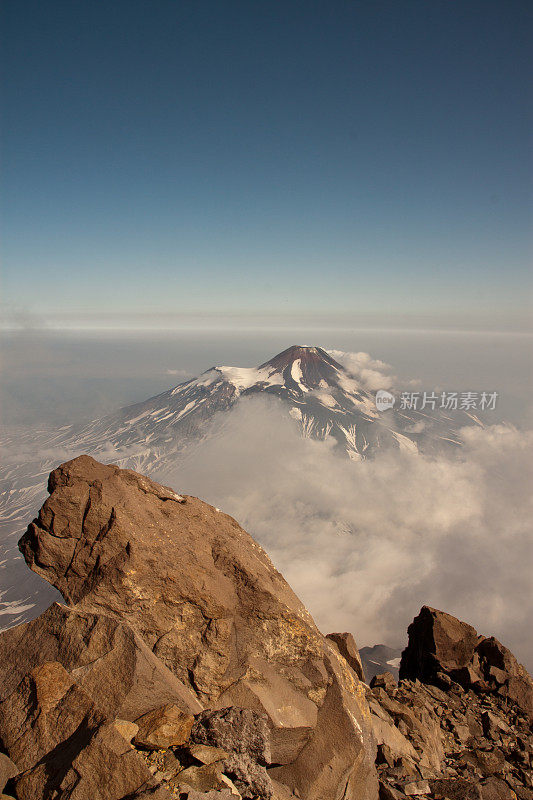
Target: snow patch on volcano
(297, 374)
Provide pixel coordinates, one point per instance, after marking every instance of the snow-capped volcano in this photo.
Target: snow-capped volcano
(317, 392)
(321, 396)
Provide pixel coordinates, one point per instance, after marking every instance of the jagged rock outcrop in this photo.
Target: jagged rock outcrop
(453, 727)
(173, 610)
(441, 648)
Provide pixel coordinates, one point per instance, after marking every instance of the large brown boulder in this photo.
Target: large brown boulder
(442, 648)
(206, 602)
(438, 642)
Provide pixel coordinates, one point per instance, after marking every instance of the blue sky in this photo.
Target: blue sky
(341, 160)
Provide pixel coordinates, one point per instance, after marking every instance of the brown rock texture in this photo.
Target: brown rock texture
(465, 739)
(108, 660)
(8, 770)
(172, 605)
(163, 727)
(62, 743)
(348, 649)
(441, 648)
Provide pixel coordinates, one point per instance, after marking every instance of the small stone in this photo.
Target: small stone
(384, 755)
(383, 681)
(126, 729)
(456, 788)
(239, 730)
(163, 727)
(251, 779)
(203, 779)
(496, 789)
(206, 754)
(415, 788)
(493, 725)
(498, 675)
(388, 792)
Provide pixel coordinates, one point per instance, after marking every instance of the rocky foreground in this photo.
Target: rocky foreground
(183, 666)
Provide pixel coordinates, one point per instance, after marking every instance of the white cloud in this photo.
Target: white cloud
(371, 373)
(365, 544)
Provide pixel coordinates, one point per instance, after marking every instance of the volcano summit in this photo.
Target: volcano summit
(318, 393)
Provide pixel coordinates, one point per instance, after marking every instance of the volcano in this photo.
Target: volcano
(321, 396)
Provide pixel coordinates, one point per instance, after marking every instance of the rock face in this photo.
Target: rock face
(458, 725)
(442, 648)
(244, 735)
(348, 649)
(173, 612)
(60, 741)
(108, 660)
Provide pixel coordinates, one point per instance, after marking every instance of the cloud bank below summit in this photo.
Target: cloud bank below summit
(371, 373)
(365, 544)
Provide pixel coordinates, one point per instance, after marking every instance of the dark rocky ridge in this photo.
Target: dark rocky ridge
(184, 666)
(459, 723)
(442, 648)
